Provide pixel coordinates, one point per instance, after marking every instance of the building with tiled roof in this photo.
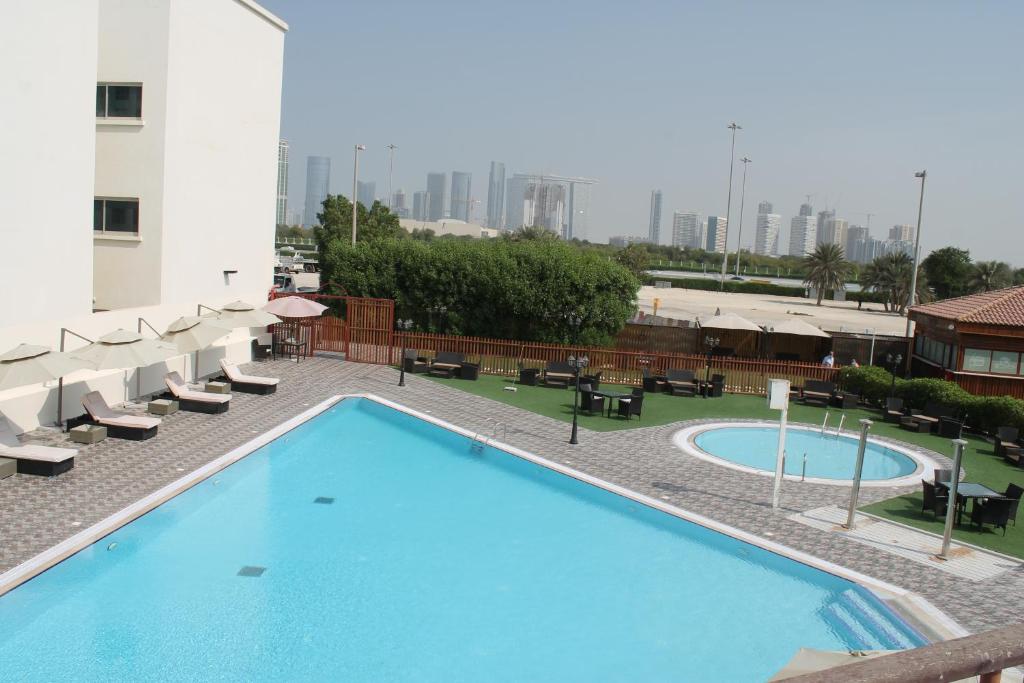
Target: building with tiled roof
(976, 340)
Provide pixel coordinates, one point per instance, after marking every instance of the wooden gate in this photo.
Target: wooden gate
(370, 326)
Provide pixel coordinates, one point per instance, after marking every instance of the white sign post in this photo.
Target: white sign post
(778, 399)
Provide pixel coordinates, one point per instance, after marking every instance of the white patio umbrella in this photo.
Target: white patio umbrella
(294, 307)
(194, 333)
(242, 314)
(28, 364)
(797, 327)
(729, 321)
(118, 350)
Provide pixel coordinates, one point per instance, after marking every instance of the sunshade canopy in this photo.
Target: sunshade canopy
(123, 349)
(794, 326)
(242, 314)
(729, 321)
(192, 333)
(28, 364)
(294, 307)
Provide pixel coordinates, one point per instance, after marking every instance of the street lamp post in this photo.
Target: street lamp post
(893, 362)
(391, 174)
(917, 249)
(355, 180)
(577, 363)
(728, 203)
(743, 199)
(711, 343)
(402, 326)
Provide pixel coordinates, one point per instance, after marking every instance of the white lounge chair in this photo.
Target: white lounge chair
(32, 459)
(119, 425)
(247, 384)
(195, 401)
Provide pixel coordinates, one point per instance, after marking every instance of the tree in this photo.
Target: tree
(889, 275)
(531, 232)
(1018, 276)
(826, 269)
(989, 275)
(949, 271)
(336, 222)
(633, 257)
(424, 234)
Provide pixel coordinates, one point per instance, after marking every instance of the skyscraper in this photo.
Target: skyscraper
(282, 182)
(576, 209)
(544, 205)
(766, 235)
(419, 205)
(515, 196)
(855, 247)
(461, 195)
(823, 218)
(437, 186)
(318, 183)
(398, 205)
(803, 232)
(496, 196)
(366, 193)
(654, 222)
(833, 232)
(901, 233)
(686, 229)
(715, 241)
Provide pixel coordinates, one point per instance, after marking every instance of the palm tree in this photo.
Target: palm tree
(890, 275)
(826, 269)
(989, 275)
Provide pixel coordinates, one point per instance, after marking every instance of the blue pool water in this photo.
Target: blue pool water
(828, 456)
(424, 561)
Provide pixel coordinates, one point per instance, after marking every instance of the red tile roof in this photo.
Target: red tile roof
(999, 307)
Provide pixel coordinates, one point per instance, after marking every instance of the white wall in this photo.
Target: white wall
(133, 48)
(223, 128)
(48, 58)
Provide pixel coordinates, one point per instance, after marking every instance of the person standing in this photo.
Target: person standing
(829, 360)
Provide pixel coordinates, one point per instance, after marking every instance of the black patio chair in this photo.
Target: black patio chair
(414, 362)
(590, 400)
(934, 500)
(593, 380)
(650, 382)
(1013, 493)
(943, 476)
(717, 386)
(631, 406)
(681, 382)
(528, 376)
(994, 511)
(893, 409)
(1006, 438)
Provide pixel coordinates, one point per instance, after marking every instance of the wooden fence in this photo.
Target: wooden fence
(505, 357)
(988, 385)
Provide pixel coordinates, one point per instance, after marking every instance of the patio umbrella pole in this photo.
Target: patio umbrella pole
(60, 381)
(954, 481)
(858, 470)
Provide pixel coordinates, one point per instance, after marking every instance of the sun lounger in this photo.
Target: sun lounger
(195, 401)
(247, 384)
(45, 460)
(119, 425)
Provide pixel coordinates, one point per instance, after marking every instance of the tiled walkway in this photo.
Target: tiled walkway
(37, 512)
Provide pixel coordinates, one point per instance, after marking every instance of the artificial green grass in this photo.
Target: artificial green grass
(979, 461)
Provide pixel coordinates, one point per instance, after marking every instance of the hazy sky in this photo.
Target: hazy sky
(843, 101)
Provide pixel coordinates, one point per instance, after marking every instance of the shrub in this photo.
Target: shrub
(919, 392)
(870, 382)
(988, 413)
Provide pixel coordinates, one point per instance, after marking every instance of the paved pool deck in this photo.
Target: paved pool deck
(38, 512)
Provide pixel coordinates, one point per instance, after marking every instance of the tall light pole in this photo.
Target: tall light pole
(743, 199)
(917, 249)
(728, 203)
(391, 173)
(355, 180)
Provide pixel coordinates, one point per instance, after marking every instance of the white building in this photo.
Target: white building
(686, 229)
(165, 117)
(901, 233)
(766, 234)
(716, 229)
(654, 220)
(803, 234)
(282, 182)
(626, 240)
(449, 226)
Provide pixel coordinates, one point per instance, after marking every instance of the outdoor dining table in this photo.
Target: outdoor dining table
(965, 490)
(611, 396)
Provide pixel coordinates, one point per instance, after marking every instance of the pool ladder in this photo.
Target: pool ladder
(480, 440)
(839, 429)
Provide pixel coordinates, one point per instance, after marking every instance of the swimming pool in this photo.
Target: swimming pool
(824, 457)
(367, 544)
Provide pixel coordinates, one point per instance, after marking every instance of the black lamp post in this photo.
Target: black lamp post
(577, 363)
(402, 326)
(711, 343)
(894, 363)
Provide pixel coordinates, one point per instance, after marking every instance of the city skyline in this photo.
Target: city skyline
(870, 119)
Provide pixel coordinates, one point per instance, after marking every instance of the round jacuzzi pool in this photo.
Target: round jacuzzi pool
(824, 457)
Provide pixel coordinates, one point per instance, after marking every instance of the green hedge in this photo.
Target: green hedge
(984, 413)
(735, 286)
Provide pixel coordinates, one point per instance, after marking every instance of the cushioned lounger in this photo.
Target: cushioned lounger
(44, 460)
(119, 425)
(195, 401)
(248, 384)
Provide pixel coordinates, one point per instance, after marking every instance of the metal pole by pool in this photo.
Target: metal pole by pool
(954, 482)
(728, 204)
(391, 175)
(865, 425)
(355, 179)
(780, 458)
(743, 200)
(917, 250)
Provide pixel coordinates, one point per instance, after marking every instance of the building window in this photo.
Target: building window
(977, 360)
(116, 100)
(1005, 362)
(115, 215)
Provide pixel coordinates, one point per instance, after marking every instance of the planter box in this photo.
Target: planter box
(218, 388)
(88, 433)
(162, 406)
